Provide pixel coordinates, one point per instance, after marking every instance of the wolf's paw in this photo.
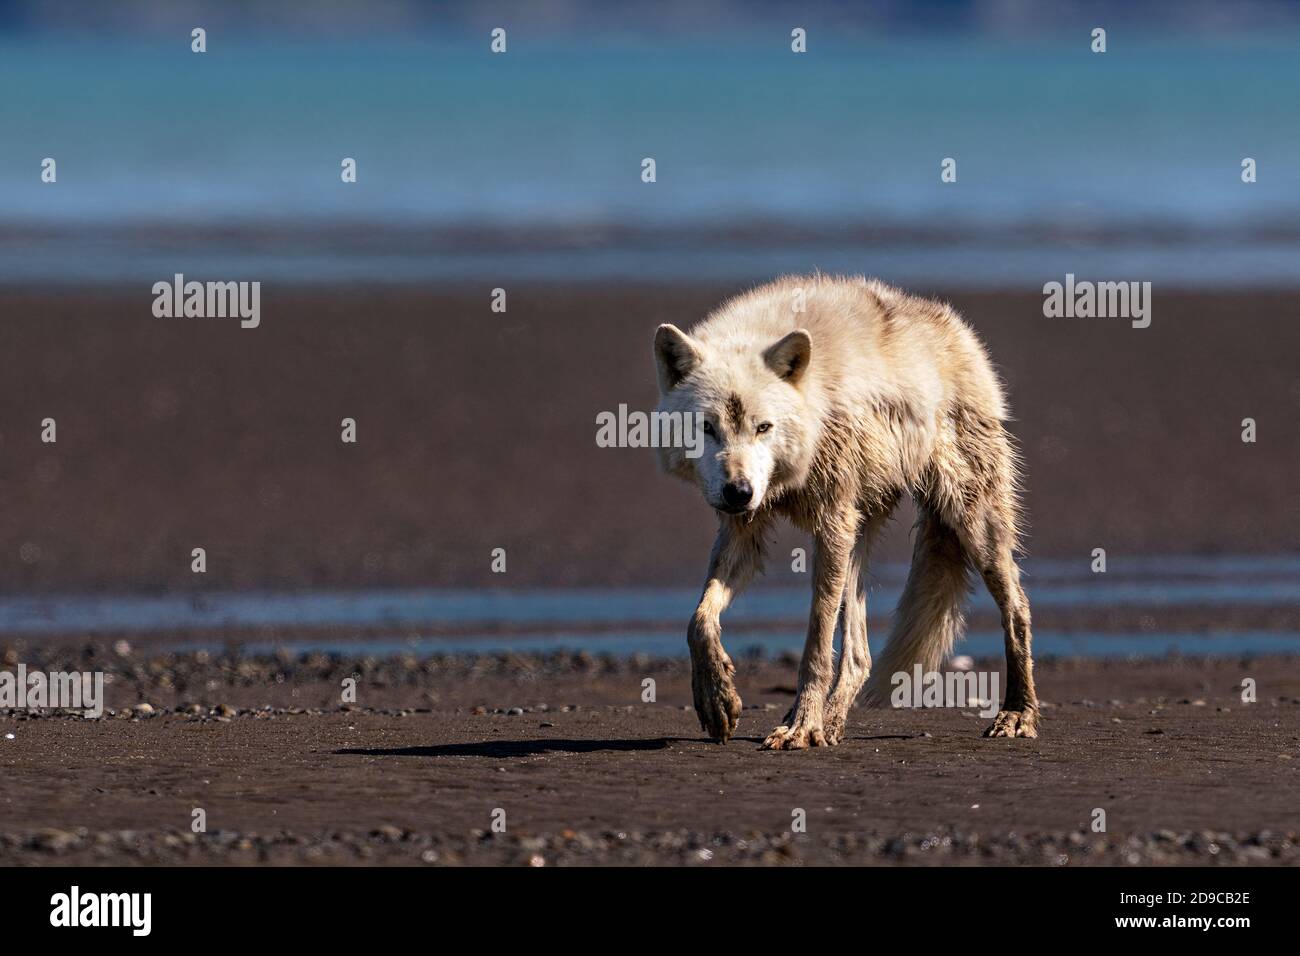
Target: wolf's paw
(717, 704)
(1014, 723)
(833, 727)
(798, 737)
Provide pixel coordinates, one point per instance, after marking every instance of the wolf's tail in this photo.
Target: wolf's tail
(929, 619)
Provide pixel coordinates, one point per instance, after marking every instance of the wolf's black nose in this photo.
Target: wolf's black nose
(737, 493)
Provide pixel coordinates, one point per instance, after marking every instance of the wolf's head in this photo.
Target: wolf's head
(751, 404)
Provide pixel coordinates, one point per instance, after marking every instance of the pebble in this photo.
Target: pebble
(54, 841)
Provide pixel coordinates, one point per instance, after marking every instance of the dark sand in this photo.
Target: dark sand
(588, 774)
(477, 431)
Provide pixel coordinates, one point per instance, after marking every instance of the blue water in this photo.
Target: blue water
(653, 620)
(608, 608)
(740, 642)
(1125, 163)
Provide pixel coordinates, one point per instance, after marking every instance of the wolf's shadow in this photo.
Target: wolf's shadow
(518, 748)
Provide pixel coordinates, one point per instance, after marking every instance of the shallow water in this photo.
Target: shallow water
(740, 642)
(1126, 165)
(653, 621)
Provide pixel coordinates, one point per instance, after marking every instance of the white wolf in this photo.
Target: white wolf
(826, 399)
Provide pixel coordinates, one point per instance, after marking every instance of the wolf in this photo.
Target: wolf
(824, 400)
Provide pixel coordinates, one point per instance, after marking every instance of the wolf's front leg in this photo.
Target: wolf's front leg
(717, 704)
(804, 726)
(737, 556)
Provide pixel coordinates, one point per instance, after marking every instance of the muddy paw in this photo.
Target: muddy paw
(834, 728)
(798, 737)
(1014, 723)
(716, 702)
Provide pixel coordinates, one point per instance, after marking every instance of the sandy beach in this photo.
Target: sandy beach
(477, 431)
(587, 773)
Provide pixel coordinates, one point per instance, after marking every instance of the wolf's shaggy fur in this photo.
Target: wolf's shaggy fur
(826, 400)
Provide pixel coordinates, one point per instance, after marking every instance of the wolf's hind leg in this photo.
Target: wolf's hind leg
(982, 507)
(855, 657)
(855, 654)
(737, 557)
(1019, 714)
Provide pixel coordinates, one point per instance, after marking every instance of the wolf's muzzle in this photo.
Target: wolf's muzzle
(737, 494)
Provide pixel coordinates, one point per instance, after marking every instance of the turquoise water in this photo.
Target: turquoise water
(653, 620)
(1127, 162)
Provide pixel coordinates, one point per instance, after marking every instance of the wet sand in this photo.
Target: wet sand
(588, 773)
(477, 431)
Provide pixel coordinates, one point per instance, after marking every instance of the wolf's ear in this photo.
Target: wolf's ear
(789, 357)
(675, 356)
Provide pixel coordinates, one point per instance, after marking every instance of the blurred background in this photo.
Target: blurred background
(522, 171)
(528, 163)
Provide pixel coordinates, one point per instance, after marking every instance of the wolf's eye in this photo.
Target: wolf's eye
(708, 428)
(765, 427)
